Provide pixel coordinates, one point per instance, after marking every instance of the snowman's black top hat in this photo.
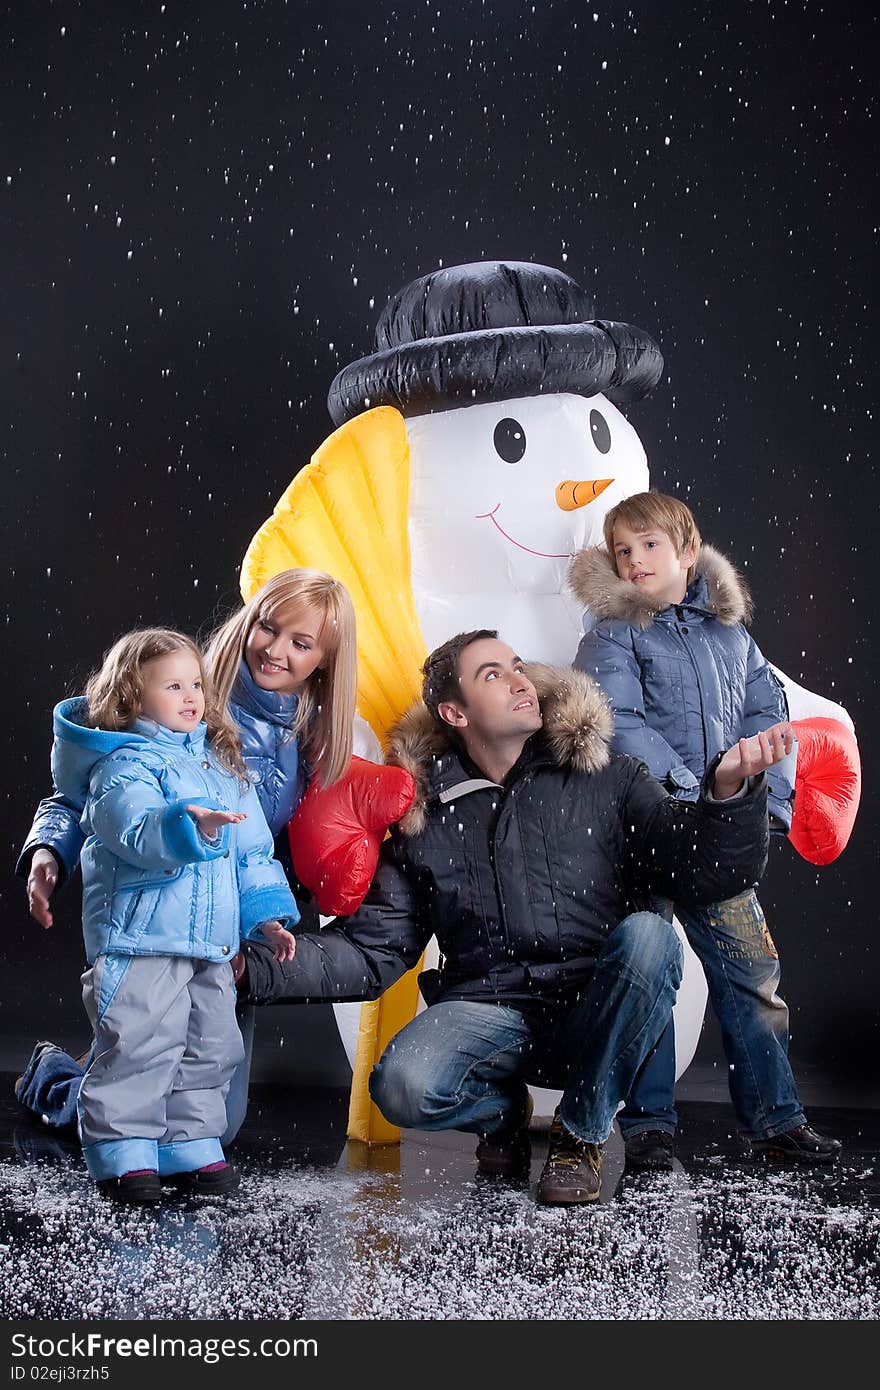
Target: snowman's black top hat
(493, 331)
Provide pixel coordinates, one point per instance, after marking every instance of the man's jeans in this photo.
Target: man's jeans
(742, 971)
(464, 1065)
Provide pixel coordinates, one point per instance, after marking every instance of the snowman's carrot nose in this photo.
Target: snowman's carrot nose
(570, 496)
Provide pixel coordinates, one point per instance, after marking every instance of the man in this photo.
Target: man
(527, 852)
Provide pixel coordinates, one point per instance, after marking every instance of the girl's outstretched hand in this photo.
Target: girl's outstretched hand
(41, 885)
(209, 822)
(284, 942)
(751, 756)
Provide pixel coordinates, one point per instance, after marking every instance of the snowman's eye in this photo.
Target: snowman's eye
(600, 431)
(509, 440)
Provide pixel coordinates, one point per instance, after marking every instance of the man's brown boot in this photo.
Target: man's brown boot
(573, 1171)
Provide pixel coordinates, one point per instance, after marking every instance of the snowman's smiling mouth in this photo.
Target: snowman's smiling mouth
(481, 516)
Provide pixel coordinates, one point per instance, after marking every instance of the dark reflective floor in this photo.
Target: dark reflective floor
(325, 1229)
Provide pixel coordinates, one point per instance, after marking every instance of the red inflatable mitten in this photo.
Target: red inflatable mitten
(828, 784)
(336, 832)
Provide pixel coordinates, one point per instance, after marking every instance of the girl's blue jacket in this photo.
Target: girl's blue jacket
(685, 681)
(272, 757)
(152, 883)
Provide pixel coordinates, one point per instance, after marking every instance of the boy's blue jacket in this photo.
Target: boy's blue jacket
(685, 682)
(152, 884)
(271, 755)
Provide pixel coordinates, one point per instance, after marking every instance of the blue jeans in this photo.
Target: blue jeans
(465, 1065)
(737, 953)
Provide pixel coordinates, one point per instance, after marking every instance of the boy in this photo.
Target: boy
(685, 680)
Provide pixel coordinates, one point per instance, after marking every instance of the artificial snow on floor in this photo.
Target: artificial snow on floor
(314, 1243)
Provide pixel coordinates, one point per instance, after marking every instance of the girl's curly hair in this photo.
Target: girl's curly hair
(114, 693)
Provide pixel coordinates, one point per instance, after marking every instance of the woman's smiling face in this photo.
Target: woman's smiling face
(283, 651)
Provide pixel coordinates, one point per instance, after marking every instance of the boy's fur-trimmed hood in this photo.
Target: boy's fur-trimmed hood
(578, 725)
(594, 581)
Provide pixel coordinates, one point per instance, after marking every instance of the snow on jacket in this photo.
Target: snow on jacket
(685, 681)
(152, 883)
(272, 757)
(521, 883)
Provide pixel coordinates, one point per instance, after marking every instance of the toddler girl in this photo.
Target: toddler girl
(177, 862)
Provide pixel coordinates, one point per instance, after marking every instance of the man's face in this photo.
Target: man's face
(497, 698)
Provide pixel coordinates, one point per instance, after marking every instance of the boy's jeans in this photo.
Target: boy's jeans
(742, 971)
(464, 1065)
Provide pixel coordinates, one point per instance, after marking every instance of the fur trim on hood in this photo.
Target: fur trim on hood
(594, 581)
(578, 725)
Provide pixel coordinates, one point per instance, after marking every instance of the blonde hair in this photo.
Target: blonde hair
(645, 511)
(115, 692)
(325, 711)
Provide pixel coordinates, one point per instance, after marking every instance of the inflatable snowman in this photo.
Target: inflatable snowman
(478, 449)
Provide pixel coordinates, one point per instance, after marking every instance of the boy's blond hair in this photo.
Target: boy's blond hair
(656, 511)
(114, 693)
(324, 720)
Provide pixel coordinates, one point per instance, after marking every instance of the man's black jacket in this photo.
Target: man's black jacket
(521, 884)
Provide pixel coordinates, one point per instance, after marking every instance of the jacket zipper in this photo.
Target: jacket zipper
(131, 911)
(206, 877)
(687, 646)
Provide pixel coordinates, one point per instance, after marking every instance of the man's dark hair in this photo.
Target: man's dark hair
(440, 671)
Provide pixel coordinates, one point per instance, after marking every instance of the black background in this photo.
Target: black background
(204, 208)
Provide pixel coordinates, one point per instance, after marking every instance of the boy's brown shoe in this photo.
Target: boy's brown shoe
(573, 1171)
(799, 1145)
(649, 1151)
(507, 1157)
